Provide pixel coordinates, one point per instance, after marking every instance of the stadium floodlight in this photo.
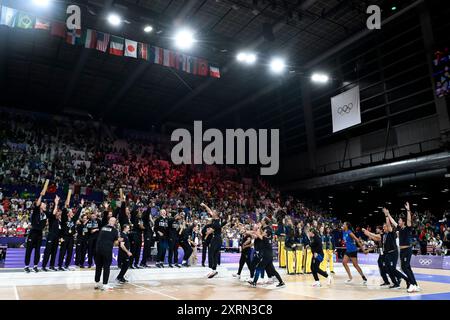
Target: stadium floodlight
(184, 39)
(246, 57)
(148, 29)
(114, 19)
(320, 78)
(277, 65)
(41, 3)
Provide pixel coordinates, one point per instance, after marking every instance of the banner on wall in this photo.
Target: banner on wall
(345, 109)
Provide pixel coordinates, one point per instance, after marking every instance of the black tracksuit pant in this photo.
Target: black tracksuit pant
(123, 262)
(205, 246)
(51, 248)
(136, 246)
(315, 269)
(214, 252)
(34, 241)
(245, 259)
(92, 243)
(382, 268)
(80, 251)
(103, 262)
(391, 259)
(405, 263)
(66, 250)
(187, 249)
(162, 248)
(173, 250)
(148, 242)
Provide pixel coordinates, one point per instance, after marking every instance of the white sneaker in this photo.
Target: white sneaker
(237, 276)
(97, 286)
(316, 284)
(348, 281)
(107, 287)
(411, 289)
(364, 283)
(417, 289)
(330, 279)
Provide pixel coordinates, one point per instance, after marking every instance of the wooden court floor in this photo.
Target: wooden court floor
(432, 282)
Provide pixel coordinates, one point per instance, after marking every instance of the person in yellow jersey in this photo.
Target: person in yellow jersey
(328, 249)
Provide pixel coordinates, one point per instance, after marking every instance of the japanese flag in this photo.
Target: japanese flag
(130, 48)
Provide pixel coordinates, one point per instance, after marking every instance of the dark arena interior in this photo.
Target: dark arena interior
(198, 150)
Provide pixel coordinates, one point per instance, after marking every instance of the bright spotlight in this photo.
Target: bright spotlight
(241, 56)
(184, 39)
(251, 58)
(41, 3)
(320, 78)
(246, 57)
(148, 29)
(277, 65)
(114, 19)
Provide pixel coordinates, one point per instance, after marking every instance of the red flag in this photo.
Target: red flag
(202, 67)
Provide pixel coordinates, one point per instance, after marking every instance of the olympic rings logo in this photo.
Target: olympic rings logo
(425, 262)
(345, 109)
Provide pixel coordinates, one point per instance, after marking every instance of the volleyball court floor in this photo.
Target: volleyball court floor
(192, 284)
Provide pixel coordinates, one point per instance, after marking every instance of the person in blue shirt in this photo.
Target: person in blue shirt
(351, 252)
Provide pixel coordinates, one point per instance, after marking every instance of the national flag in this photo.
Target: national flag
(58, 29)
(166, 57)
(102, 41)
(214, 72)
(90, 39)
(24, 21)
(73, 37)
(191, 65)
(143, 51)
(8, 16)
(116, 46)
(42, 24)
(202, 67)
(131, 48)
(158, 55)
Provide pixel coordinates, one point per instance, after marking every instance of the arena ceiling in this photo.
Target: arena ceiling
(40, 72)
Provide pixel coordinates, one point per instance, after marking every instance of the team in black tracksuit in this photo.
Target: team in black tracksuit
(68, 223)
(34, 240)
(162, 236)
(174, 240)
(82, 242)
(54, 233)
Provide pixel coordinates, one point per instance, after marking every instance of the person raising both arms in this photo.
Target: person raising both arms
(404, 234)
(351, 252)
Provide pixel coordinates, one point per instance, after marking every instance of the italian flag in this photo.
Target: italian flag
(116, 46)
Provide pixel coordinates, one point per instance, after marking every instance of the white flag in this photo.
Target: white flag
(345, 109)
(130, 48)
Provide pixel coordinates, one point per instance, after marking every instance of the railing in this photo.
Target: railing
(385, 155)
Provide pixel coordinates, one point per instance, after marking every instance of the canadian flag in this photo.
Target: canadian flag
(130, 48)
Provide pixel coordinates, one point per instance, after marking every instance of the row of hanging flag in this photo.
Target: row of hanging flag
(114, 45)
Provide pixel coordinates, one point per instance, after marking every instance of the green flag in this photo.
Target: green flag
(24, 21)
